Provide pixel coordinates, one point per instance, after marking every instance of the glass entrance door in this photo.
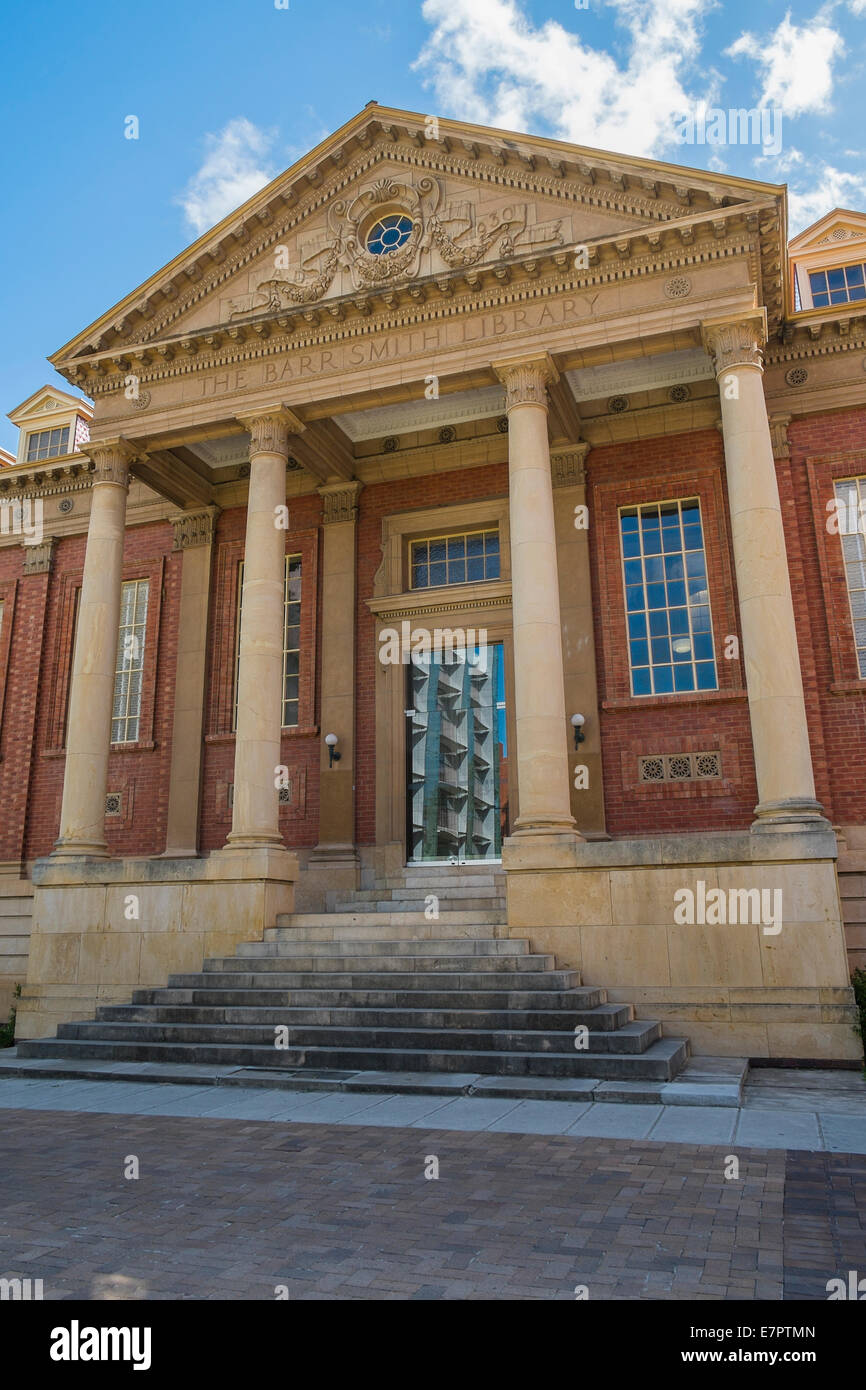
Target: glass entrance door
(457, 756)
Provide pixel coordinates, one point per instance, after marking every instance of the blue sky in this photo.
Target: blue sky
(228, 92)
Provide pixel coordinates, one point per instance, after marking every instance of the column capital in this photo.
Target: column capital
(38, 558)
(737, 340)
(339, 501)
(567, 465)
(194, 528)
(270, 428)
(779, 436)
(112, 459)
(526, 381)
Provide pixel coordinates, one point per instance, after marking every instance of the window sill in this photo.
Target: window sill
(145, 747)
(294, 731)
(852, 687)
(684, 697)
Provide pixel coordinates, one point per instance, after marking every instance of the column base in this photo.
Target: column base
(791, 814)
(542, 849)
(76, 850)
(243, 841)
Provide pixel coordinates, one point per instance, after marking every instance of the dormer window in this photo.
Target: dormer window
(839, 286)
(47, 444)
(389, 234)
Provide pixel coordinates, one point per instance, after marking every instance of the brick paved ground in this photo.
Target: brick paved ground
(230, 1209)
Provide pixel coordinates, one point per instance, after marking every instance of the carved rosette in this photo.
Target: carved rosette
(735, 344)
(526, 382)
(111, 459)
(340, 502)
(270, 431)
(194, 528)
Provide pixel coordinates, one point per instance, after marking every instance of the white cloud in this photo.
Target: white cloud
(795, 64)
(235, 166)
(828, 188)
(487, 62)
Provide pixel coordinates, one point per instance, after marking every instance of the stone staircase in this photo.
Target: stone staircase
(377, 986)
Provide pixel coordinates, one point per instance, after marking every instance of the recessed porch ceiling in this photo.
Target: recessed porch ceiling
(640, 374)
(409, 416)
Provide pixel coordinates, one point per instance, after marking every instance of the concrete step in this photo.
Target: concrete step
(632, 1038)
(450, 927)
(601, 1018)
(405, 904)
(270, 956)
(283, 943)
(571, 1001)
(660, 1061)
(457, 892)
(716, 1081)
(404, 981)
(468, 917)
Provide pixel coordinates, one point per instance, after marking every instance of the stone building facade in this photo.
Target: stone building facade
(417, 387)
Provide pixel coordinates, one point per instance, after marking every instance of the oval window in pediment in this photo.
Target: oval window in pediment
(389, 234)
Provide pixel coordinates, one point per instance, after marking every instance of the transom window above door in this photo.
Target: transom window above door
(670, 635)
(464, 558)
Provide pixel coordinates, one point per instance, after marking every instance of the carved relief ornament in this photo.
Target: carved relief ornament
(270, 430)
(735, 343)
(111, 459)
(526, 382)
(194, 528)
(340, 502)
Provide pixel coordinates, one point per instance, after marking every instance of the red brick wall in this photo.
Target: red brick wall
(824, 448)
(39, 621)
(24, 601)
(676, 466)
(300, 750)
(140, 772)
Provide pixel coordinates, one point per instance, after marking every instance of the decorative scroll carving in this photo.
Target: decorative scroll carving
(454, 232)
(194, 528)
(735, 344)
(270, 430)
(526, 382)
(340, 502)
(111, 460)
(38, 558)
(567, 466)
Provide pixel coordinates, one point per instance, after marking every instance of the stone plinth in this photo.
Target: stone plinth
(736, 989)
(101, 929)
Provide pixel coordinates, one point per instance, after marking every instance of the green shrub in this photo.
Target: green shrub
(7, 1030)
(858, 980)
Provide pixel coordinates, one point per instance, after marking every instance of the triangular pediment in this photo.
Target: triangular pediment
(473, 198)
(48, 401)
(839, 228)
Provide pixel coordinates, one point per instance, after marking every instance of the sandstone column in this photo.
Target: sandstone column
(336, 784)
(255, 816)
(578, 640)
(88, 734)
(193, 538)
(780, 733)
(542, 751)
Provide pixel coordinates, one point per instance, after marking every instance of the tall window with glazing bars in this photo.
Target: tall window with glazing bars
(129, 665)
(851, 509)
(670, 635)
(291, 641)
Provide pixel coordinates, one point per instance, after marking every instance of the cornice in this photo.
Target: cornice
(417, 304)
(419, 604)
(621, 193)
